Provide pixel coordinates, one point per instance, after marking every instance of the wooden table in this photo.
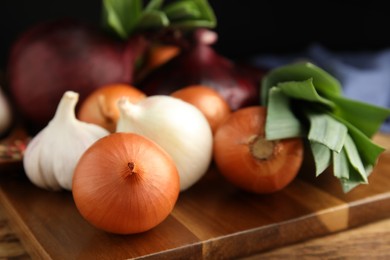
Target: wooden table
(370, 240)
(10, 245)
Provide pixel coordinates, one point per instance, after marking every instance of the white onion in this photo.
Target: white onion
(177, 126)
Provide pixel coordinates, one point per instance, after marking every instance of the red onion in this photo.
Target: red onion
(200, 64)
(62, 55)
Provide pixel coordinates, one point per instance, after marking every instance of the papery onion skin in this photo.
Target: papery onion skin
(53, 57)
(208, 101)
(100, 107)
(200, 64)
(266, 168)
(178, 127)
(156, 56)
(110, 198)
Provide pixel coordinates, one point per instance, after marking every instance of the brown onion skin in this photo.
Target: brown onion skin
(156, 56)
(100, 107)
(213, 106)
(56, 56)
(112, 199)
(236, 161)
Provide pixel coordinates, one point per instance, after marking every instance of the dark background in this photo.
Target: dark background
(245, 28)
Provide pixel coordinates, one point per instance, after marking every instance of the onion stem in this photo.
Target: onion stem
(131, 166)
(261, 148)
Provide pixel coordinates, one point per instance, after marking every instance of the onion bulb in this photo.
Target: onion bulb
(156, 56)
(5, 113)
(125, 183)
(60, 55)
(250, 162)
(199, 63)
(177, 126)
(100, 107)
(208, 101)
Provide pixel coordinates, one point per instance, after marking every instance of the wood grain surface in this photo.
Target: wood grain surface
(371, 241)
(10, 245)
(211, 220)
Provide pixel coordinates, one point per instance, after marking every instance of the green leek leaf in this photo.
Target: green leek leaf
(349, 176)
(280, 121)
(325, 84)
(322, 157)
(340, 165)
(303, 90)
(354, 159)
(366, 117)
(368, 150)
(326, 130)
(339, 129)
(353, 180)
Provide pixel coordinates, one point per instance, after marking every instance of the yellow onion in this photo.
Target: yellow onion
(125, 183)
(100, 107)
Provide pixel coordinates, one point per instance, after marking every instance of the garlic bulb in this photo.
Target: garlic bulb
(51, 156)
(177, 126)
(5, 113)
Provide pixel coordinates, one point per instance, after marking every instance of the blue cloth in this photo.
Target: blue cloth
(364, 76)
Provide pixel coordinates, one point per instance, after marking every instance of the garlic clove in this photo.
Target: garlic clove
(52, 155)
(84, 135)
(36, 167)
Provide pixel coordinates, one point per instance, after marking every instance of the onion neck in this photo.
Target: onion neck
(126, 108)
(104, 109)
(131, 171)
(261, 148)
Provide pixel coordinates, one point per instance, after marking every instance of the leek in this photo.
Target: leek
(305, 101)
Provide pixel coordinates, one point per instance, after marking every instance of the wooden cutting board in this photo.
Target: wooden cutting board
(211, 220)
